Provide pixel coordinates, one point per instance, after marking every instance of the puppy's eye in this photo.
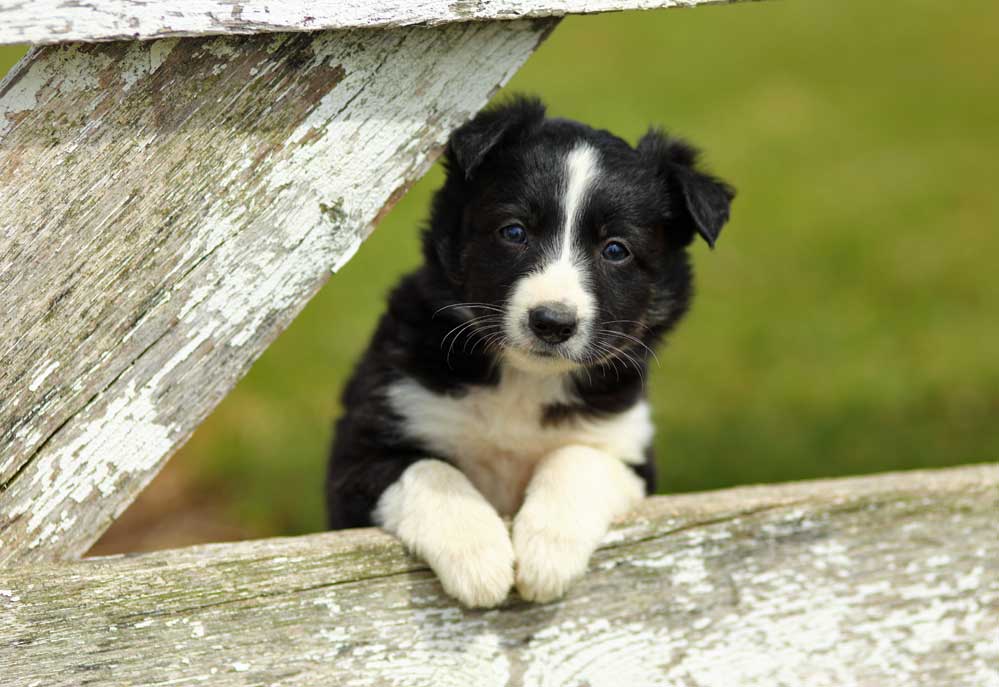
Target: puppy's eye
(615, 251)
(514, 233)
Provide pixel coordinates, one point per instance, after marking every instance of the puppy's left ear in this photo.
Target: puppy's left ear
(471, 144)
(698, 202)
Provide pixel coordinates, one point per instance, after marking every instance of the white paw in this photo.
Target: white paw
(477, 571)
(439, 516)
(549, 560)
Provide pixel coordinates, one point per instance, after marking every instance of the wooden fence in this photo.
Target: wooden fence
(168, 205)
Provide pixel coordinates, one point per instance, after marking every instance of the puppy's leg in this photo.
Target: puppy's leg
(442, 518)
(574, 495)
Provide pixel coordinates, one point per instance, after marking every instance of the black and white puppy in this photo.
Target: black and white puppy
(507, 377)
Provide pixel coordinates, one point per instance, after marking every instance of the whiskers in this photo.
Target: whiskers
(618, 357)
(614, 355)
(486, 330)
(633, 339)
(608, 348)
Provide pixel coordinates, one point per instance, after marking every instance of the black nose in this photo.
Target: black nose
(553, 322)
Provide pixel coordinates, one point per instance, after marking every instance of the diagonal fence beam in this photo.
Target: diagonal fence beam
(166, 208)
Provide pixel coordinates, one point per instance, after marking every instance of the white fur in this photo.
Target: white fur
(439, 516)
(562, 278)
(575, 494)
(581, 172)
(494, 434)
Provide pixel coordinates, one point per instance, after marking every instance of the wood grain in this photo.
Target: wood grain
(886, 581)
(53, 21)
(166, 208)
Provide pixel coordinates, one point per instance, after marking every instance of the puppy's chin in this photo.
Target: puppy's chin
(538, 363)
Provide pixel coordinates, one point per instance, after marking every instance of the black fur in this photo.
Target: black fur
(505, 165)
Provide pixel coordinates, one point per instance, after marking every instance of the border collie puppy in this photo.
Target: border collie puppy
(507, 376)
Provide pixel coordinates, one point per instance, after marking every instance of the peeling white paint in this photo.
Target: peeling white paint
(348, 253)
(28, 79)
(329, 604)
(40, 378)
(42, 21)
(118, 442)
(336, 635)
(937, 561)
(159, 51)
(620, 534)
(134, 65)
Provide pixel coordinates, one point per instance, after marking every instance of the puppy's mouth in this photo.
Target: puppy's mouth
(546, 352)
(561, 351)
(539, 361)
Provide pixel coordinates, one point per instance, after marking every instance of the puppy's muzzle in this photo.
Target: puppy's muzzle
(553, 323)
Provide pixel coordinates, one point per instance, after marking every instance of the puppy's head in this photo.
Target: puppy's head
(568, 245)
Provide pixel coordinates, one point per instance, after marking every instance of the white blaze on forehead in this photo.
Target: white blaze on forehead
(581, 170)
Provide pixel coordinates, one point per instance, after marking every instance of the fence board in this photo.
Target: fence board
(885, 581)
(166, 208)
(52, 21)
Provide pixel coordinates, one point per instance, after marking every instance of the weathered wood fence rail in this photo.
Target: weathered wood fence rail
(890, 580)
(168, 205)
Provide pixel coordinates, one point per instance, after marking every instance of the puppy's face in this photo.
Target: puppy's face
(569, 244)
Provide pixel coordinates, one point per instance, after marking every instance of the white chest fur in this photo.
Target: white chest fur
(495, 434)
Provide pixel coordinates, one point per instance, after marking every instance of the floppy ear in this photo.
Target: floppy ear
(698, 201)
(470, 144)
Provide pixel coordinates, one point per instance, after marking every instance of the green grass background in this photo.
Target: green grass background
(848, 321)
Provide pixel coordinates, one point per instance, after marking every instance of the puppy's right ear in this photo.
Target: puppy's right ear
(470, 144)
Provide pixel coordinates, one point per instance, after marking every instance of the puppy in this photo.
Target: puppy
(507, 376)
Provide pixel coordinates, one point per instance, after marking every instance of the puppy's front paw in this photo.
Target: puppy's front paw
(549, 559)
(477, 567)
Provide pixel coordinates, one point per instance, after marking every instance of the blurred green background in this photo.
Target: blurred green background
(848, 321)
